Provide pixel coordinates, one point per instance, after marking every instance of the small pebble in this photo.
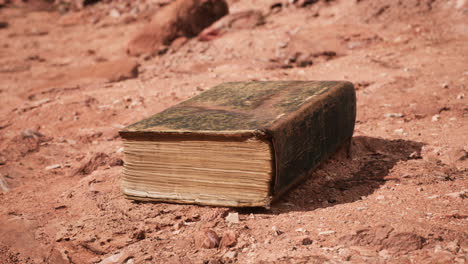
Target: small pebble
(461, 194)
(453, 247)
(399, 131)
(325, 233)
(276, 231)
(393, 115)
(52, 167)
(229, 239)
(207, 239)
(232, 218)
(114, 13)
(306, 241)
(230, 254)
(3, 185)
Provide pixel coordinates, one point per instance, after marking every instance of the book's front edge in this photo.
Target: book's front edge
(265, 203)
(312, 134)
(240, 135)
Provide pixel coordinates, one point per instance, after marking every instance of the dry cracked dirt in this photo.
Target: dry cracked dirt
(68, 83)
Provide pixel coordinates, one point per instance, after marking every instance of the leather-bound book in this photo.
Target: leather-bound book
(238, 144)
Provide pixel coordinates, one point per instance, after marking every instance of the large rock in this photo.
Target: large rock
(235, 21)
(206, 239)
(182, 18)
(385, 237)
(102, 72)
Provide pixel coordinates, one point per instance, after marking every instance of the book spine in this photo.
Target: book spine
(312, 134)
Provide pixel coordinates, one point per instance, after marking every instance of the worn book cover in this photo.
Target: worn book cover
(237, 144)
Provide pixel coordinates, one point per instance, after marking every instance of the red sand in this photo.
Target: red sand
(67, 87)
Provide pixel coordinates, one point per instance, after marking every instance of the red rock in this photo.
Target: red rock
(97, 160)
(385, 237)
(29, 141)
(57, 257)
(240, 20)
(229, 239)
(364, 237)
(102, 72)
(403, 242)
(110, 71)
(183, 18)
(207, 239)
(3, 185)
(139, 235)
(306, 241)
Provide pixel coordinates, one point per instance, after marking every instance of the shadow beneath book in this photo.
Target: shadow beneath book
(345, 178)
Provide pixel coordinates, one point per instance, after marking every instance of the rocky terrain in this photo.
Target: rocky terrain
(68, 83)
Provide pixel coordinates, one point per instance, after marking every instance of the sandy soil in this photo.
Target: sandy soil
(67, 87)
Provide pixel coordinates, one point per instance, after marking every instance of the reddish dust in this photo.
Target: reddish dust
(69, 81)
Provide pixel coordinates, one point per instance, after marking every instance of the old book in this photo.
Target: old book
(238, 144)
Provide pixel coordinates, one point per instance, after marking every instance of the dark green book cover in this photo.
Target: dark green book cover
(303, 121)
